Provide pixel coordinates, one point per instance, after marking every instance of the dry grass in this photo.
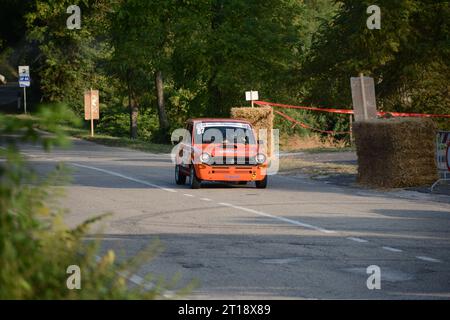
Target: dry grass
(314, 169)
(290, 143)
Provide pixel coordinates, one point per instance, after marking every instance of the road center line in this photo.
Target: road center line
(357, 239)
(428, 259)
(294, 222)
(264, 214)
(392, 249)
(124, 177)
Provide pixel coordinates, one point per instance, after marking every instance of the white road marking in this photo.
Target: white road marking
(428, 259)
(264, 214)
(123, 176)
(357, 239)
(138, 280)
(392, 249)
(294, 222)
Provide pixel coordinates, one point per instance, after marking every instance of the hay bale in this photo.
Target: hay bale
(260, 118)
(396, 153)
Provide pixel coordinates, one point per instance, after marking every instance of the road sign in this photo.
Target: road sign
(91, 107)
(24, 76)
(91, 102)
(24, 70)
(363, 97)
(442, 157)
(24, 82)
(448, 156)
(251, 95)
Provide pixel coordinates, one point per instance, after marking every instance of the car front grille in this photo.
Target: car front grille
(234, 161)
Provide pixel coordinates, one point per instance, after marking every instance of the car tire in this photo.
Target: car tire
(193, 180)
(180, 178)
(261, 184)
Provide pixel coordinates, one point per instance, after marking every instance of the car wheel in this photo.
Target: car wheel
(262, 184)
(180, 178)
(193, 180)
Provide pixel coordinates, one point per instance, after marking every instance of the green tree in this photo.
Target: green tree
(407, 56)
(232, 46)
(141, 37)
(12, 22)
(70, 61)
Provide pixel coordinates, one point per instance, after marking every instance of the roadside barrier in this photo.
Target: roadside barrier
(442, 157)
(338, 111)
(303, 125)
(348, 111)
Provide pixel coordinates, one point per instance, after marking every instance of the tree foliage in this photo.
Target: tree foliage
(408, 56)
(209, 52)
(36, 247)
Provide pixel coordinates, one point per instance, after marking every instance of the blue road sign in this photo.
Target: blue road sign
(24, 81)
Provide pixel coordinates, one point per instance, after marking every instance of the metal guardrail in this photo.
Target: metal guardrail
(442, 157)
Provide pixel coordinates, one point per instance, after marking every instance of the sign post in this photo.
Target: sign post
(24, 82)
(363, 97)
(91, 107)
(251, 96)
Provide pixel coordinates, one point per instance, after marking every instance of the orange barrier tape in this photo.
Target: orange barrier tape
(308, 127)
(342, 111)
(421, 115)
(348, 111)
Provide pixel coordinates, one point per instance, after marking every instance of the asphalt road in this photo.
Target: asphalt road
(297, 239)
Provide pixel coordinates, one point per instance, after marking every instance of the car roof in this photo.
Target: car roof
(217, 120)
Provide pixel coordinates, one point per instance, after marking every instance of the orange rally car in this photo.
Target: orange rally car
(223, 150)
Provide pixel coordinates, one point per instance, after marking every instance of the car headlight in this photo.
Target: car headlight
(260, 158)
(205, 157)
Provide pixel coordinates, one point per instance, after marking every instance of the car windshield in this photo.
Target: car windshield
(240, 133)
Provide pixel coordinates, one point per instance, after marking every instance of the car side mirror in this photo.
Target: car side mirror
(260, 141)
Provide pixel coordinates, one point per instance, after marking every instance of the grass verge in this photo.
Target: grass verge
(136, 144)
(289, 165)
(313, 144)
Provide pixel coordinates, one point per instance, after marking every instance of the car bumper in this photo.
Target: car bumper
(231, 173)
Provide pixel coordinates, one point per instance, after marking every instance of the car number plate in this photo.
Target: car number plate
(232, 176)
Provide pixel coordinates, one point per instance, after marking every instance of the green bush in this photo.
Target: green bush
(115, 121)
(36, 247)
